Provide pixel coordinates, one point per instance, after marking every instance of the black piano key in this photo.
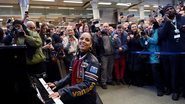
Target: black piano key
(43, 92)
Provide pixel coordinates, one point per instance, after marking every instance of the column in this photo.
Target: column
(24, 5)
(94, 4)
(141, 12)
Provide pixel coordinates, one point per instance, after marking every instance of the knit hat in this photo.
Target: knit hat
(167, 6)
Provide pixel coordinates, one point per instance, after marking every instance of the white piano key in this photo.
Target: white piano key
(56, 100)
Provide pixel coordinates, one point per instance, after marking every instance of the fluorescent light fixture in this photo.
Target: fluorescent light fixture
(132, 10)
(104, 3)
(1, 19)
(65, 8)
(55, 14)
(45, 0)
(6, 6)
(146, 6)
(155, 6)
(72, 1)
(35, 13)
(147, 10)
(123, 4)
(89, 9)
(40, 7)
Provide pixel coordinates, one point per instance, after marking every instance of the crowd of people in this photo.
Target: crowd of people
(87, 55)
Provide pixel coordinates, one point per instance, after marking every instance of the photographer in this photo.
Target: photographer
(152, 46)
(27, 35)
(7, 40)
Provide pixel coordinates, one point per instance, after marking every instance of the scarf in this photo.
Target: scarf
(75, 70)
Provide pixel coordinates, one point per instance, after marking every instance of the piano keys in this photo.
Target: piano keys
(45, 91)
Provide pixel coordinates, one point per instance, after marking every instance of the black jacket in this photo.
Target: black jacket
(166, 36)
(84, 92)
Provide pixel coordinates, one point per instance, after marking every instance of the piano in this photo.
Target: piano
(44, 91)
(15, 82)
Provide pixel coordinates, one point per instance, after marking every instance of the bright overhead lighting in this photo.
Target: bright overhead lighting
(123, 4)
(40, 7)
(132, 10)
(104, 3)
(45, 0)
(146, 6)
(1, 19)
(147, 10)
(89, 9)
(71, 1)
(155, 6)
(65, 8)
(6, 6)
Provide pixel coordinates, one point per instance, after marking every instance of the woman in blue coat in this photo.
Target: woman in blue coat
(152, 46)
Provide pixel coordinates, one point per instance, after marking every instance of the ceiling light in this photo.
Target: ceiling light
(146, 6)
(104, 3)
(1, 19)
(6, 6)
(45, 0)
(147, 10)
(155, 6)
(123, 4)
(89, 9)
(132, 10)
(70, 1)
(65, 8)
(40, 7)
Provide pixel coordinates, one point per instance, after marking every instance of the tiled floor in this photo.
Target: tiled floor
(122, 94)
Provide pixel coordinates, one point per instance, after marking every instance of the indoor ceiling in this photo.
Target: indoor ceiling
(86, 3)
(40, 9)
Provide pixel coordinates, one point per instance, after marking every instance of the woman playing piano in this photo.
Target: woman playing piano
(79, 86)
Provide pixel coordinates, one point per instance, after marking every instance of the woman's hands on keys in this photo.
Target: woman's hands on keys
(51, 85)
(54, 95)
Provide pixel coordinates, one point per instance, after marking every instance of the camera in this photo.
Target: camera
(143, 33)
(16, 30)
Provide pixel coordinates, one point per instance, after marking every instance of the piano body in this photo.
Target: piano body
(15, 83)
